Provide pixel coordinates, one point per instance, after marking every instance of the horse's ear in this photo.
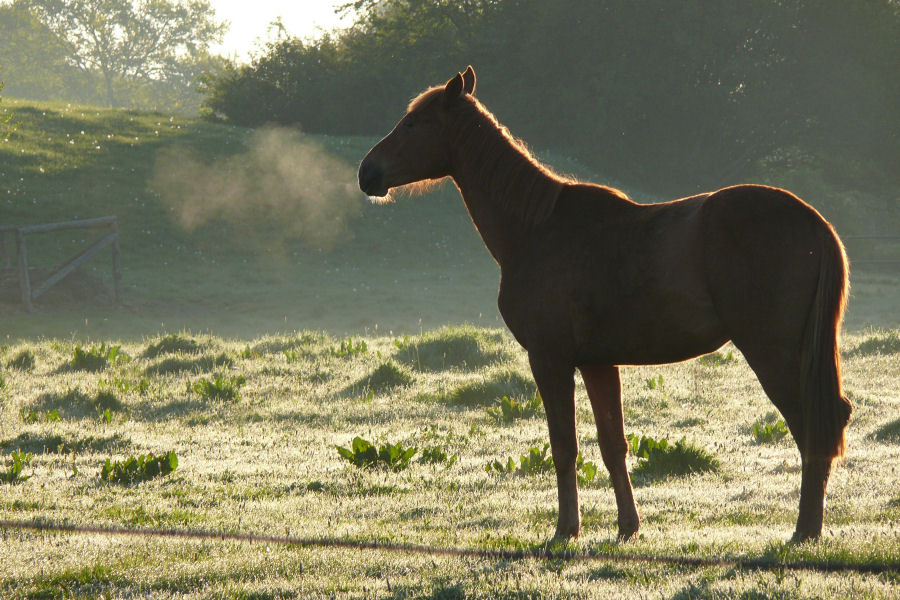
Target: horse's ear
(454, 88)
(469, 80)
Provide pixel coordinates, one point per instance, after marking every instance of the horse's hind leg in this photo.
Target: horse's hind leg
(780, 374)
(605, 391)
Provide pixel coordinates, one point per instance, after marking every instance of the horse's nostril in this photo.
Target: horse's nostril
(369, 178)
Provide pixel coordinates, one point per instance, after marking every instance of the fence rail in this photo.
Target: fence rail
(29, 293)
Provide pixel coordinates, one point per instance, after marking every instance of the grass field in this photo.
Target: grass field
(255, 425)
(303, 318)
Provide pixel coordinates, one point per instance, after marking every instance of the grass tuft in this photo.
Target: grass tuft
(180, 364)
(492, 388)
(659, 459)
(881, 342)
(174, 343)
(219, 388)
(386, 377)
(463, 347)
(509, 409)
(23, 361)
(769, 429)
(889, 432)
(95, 358)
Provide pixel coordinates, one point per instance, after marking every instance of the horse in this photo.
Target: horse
(591, 280)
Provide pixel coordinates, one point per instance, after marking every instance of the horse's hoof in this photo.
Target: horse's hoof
(566, 533)
(627, 531)
(804, 536)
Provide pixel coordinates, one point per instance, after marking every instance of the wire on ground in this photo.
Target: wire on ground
(548, 553)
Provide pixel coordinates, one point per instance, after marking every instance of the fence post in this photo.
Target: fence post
(24, 282)
(116, 263)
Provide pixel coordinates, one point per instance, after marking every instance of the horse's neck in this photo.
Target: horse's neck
(504, 192)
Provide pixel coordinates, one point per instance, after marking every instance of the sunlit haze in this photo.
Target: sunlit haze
(249, 21)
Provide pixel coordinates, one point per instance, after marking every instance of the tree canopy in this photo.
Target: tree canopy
(132, 40)
(676, 95)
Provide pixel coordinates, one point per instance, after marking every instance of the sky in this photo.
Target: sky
(250, 20)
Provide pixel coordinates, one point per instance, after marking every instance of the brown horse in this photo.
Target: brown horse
(591, 280)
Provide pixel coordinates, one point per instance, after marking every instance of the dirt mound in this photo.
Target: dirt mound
(77, 290)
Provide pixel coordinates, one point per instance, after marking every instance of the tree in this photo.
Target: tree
(143, 40)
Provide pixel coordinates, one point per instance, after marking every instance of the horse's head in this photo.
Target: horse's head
(415, 150)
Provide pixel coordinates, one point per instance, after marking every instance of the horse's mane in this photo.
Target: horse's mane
(514, 177)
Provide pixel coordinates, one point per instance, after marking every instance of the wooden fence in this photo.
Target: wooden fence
(30, 293)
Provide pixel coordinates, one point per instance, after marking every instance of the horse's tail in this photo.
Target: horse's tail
(826, 411)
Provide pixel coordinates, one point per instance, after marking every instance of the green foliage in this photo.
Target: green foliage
(126, 41)
(509, 409)
(769, 429)
(659, 458)
(348, 349)
(31, 416)
(173, 343)
(881, 342)
(138, 469)
(537, 461)
(889, 432)
(744, 73)
(22, 361)
(220, 388)
(366, 455)
(451, 347)
(16, 462)
(96, 358)
(716, 359)
(437, 455)
(652, 383)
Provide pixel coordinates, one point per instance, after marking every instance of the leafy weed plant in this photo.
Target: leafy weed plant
(220, 388)
(96, 358)
(660, 459)
(140, 468)
(539, 461)
(769, 429)
(437, 455)
(716, 359)
(32, 416)
(653, 383)
(348, 349)
(367, 455)
(17, 462)
(509, 409)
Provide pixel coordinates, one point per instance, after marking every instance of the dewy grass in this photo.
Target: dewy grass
(879, 342)
(889, 432)
(451, 347)
(22, 361)
(268, 463)
(174, 343)
(489, 389)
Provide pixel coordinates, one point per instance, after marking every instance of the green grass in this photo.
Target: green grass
(268, 462)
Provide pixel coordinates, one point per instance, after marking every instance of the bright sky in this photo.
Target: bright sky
(250, 20)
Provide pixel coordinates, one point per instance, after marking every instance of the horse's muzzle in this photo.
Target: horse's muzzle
(371, 179)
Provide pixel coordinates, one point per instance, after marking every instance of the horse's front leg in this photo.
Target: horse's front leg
(556, 384)
(605, 391)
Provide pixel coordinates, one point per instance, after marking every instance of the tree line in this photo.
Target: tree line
(672, 94)
(146, 53)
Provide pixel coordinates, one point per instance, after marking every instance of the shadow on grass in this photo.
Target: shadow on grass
(77, 404)
(55, 443)
(179, 364)
(463, 347)
(485, 392)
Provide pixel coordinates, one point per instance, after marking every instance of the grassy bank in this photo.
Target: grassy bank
(255, 426)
